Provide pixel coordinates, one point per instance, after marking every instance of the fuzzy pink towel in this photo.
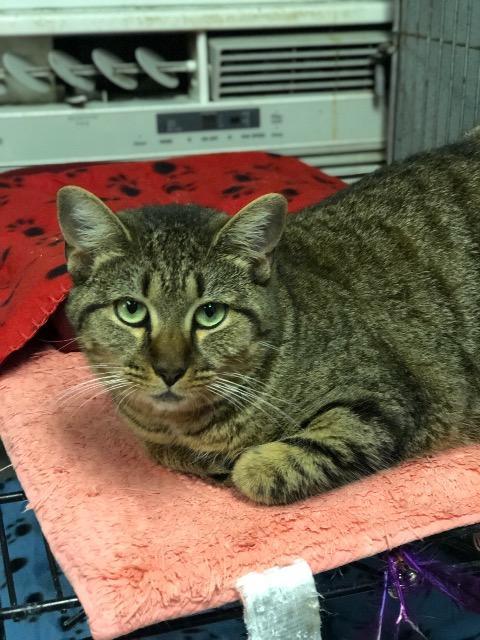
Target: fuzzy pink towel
(141, 544)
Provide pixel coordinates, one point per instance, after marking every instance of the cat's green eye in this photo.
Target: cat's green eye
(210, 314)
(131, 312)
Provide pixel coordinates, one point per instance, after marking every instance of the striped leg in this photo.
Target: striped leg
(187, 461)
(338, 447)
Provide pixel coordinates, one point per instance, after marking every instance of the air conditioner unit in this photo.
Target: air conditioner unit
(314, 91)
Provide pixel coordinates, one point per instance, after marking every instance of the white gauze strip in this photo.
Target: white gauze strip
(281, 603)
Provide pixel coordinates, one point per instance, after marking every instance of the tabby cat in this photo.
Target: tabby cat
(289, 355)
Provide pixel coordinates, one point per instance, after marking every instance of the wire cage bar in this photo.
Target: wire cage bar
(436, 93)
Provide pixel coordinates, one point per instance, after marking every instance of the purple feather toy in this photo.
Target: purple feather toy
(407, 570)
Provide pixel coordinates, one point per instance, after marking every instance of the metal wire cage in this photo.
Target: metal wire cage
(435, 98)
(436, 80)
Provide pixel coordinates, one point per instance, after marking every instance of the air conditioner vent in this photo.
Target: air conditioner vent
(286, 64)
(350, 166)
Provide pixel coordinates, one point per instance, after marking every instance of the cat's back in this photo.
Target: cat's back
(446, 179)
(425, 208)
(401, 248)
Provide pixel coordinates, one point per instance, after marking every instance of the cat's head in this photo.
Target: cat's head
(172, 302)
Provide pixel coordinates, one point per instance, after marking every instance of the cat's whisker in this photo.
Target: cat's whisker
(254, 382)
(251, 389)
(119, 395)
(99, 376)
(45, 341)
(91, 381)
(232, 391)
(225, 396)
(247, 378)
(252, 392)
(117, 385)
(100, 368)
(93, 392)
(40, 354)
(104, 377)
(256, 398)
(126, 394)
(66, 344)
(269, 345)
(101, 392)
(104, 366)
(231, 386)
(88, 385)
(70, 394)
(246, 399)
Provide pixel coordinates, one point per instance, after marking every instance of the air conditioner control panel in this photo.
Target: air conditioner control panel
(208, 120)
(137, 131)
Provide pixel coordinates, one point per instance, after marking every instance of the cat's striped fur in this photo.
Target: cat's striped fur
(352, 339)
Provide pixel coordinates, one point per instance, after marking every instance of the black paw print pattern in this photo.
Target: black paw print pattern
(4, 255)
(176, 174)
(18, 530)
(57, 271)
(244, 176)
(54, 241)
(289, 193)
(7, 182)
(110, 198)
(48, 241)
(179, 186)
(16, 564)
(324, 179)
(245, 184)
(124, 184)
(237, 191)
(269, 166)
(75, 171)
(172, 170)
(164, 168)
(26, 226)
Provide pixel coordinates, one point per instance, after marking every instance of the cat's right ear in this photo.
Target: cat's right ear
(253, 233)
(88, 227)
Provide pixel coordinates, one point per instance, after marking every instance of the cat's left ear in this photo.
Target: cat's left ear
(88, 226)
(254, 232)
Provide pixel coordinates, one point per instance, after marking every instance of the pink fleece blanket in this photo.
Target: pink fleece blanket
(141, 544)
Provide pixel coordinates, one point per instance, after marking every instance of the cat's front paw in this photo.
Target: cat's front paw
(265, 474)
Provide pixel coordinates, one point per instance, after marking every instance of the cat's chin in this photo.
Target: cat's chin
(168, 397)
(170, 402)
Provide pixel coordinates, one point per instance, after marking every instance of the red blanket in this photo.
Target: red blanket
(33, 277)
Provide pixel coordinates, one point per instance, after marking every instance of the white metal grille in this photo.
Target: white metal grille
(350, 165)
(285, 64)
